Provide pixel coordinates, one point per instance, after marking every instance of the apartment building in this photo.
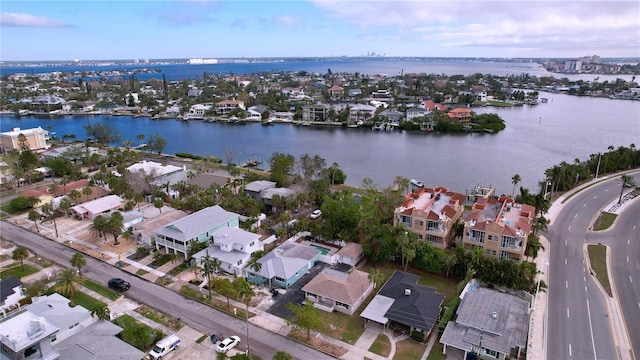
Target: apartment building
(431, 214)
(36, 139)
(499, 227)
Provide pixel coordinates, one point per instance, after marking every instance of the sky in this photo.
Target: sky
(147, 29)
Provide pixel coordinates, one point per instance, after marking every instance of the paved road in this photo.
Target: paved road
(193, 314)
(578, 321)
(624, 242)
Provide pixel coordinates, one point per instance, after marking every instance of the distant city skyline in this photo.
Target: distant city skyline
(95, 30)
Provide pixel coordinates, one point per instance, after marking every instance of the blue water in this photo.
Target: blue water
(385, 66)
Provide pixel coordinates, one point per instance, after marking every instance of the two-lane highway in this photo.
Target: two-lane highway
(200, 317)
(578, 321)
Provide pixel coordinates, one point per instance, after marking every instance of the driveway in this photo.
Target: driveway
(294, 294)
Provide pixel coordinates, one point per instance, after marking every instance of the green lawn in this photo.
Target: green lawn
(141, 272)
(598, 260)
(446, 287)
(342, 327)
(104, 291)
(86, 301)
(132, 330)
(604, 221)
(436, 351)
(382, 346)
(159, 318)
(409, 349)
(16, 270)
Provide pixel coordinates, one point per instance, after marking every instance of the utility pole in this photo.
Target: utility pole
(598, 167)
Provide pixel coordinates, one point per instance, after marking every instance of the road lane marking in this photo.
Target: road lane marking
(585, 205)
(569, 349)
(565, 261)
(569, 227)
(630, 279)
(566, 284)
(593, 342)
(576, 216)
(565, 242)
(567, 312)
(585, 278)
(585, 289)
(595, 197)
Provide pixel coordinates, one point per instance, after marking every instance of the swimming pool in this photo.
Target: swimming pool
(323, 250)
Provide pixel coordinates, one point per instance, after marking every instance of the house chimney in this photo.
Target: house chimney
(407, 292)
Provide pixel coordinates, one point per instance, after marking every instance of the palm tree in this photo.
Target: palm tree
(53, 187)
(158, 203)
(626, 180)
(115, 225)
(74, 195)
(21, 254)
(49, 212)
(515, 180)
(533, 246)
(255, 265)
(66, 283)
(64, 181)
(207, 270)
(78, 260)
(34, 216)
(99, 225)
(244, 294)
(449, 261)
(138, 198)
(376, 277)
(101, 312)
(65, 204)
(87, 191)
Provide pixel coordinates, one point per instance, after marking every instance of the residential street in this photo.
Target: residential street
(193, 314)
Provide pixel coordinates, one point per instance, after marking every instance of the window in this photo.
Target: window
(509, 242)
(476, 236)
(252, 243)
(432, 238)
(432, 225)
(420, 236)
(239, 262)
(504, 255)
(53, 337)
(342, 305)
(491, 353)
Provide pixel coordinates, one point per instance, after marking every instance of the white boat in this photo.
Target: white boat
(417, 183)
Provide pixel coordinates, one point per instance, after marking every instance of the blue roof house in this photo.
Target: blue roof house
(285, 265)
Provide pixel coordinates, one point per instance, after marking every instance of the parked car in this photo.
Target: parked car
(119, 284)
(214, 338)
(315, 214)
(164, 346)
(228, 344)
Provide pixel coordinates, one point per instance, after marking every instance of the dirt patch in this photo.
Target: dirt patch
(318, 343)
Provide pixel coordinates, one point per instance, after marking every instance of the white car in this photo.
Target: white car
(228, 344)
(315, 214)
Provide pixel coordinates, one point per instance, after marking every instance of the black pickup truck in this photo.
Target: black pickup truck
(119, 284)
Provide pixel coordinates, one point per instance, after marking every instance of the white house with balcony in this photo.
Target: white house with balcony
(177, 236)
(233, 247)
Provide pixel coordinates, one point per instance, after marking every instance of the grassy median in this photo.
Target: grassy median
(604, 221)
(598, 260)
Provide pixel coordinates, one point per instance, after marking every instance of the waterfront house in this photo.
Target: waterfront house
(178, 235)
(225, 107)
(431, 214)
(415, 112)
(284, 265)
(489, 323)
(460, 115)
(233, 247)
(392, 115)
(404, 302)
(431, 106)
(199, 111)
(264, 191)
(499, 227)
(316, 113)
(336, 290)
(36, 139)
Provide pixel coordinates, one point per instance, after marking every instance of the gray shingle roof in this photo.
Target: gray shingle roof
(475, 316)
(7, 285)
(414, 304)
(285, 260)
(98, 342)
(197, 223)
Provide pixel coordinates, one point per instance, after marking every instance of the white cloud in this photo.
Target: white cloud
(524, 25)
(286, 20)
(27, 20)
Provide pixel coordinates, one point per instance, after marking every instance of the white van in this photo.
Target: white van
(163, 347)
